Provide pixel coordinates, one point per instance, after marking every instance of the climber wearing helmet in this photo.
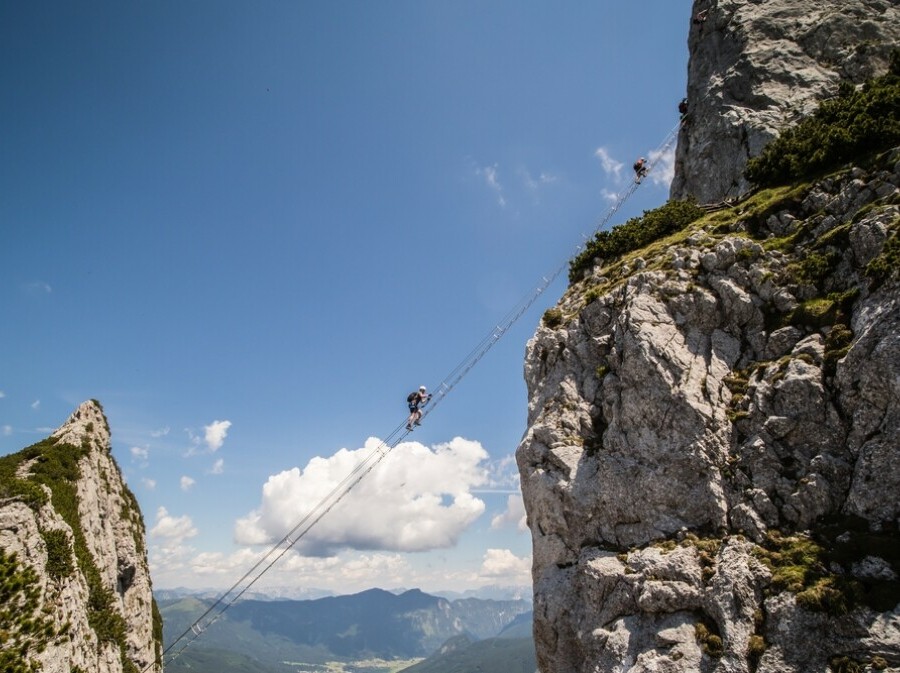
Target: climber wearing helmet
(415, 400)
(640, 169)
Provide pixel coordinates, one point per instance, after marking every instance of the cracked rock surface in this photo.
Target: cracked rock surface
(696, 424)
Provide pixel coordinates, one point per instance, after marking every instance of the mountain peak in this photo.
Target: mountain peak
(756, 68)
(86, 425)
(73, 535)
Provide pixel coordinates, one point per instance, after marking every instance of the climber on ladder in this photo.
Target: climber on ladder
(414, 400)
(640, 169)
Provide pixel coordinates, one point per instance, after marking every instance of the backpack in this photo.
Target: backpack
(412, 397)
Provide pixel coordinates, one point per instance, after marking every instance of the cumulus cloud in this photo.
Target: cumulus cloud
(345, 573)
(610, 166)
(489, 175)
(36, 405)
(218, 467)
(514, 515)
(171, 529)
(162, 432)
(214, 434)
(7, 430)
(503, 565)
(148, 483)
(504, 473)
(416, 499)
(186, 483)
(663, 166)
(2, 394)
(140, 453)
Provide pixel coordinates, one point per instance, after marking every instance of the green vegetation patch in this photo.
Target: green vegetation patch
(851, 126)
(709, 638)
(801, 565)
(837, 345)
(845, 664)
(59, 553)
(553, 317)
(814, 313)
(886, 266)
(24, 628)
(818, 265)
(636, 233)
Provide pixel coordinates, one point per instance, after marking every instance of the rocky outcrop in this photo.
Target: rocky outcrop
(758, 67)
(710, 468)
(72, 532)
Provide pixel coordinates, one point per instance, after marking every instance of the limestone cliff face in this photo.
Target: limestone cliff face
(757, 67)
(711, 470)
(72, 533)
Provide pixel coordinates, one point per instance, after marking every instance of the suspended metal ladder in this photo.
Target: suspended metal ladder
(342, 489)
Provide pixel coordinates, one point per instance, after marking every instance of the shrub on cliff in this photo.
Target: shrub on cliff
(845, 128)
(635, 234)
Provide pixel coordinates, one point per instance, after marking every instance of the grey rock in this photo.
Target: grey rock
(707, 432)
(781, 342)
(758, 67)
(873, 567)
(113, 531)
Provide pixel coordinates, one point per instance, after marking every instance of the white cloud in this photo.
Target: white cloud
(186, 483)
(663, 166)
(36, 404)
(345, 573)
(2, 394)
(173, 530)
(38, 287)
(140, 453)
(504, 473)
(609, 165)
(414, 500)
(503, 565)
(215, 433)
(218, 564)
(609, 195)
(218, 467)
(489, 175)
(514, 514)
(7, 430)
(542, 180)
(162, 432)
(148, 483)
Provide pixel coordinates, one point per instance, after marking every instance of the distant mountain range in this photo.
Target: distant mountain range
(368, 626)
(495, 592)
(512, 651)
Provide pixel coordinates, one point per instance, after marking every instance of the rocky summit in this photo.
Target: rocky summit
(710, 468)
(758, 67)
(74, 578)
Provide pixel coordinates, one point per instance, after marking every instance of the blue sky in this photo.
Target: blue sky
(250, 229)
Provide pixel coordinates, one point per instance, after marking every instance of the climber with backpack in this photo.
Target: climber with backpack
(414, 400)
(640, 169)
